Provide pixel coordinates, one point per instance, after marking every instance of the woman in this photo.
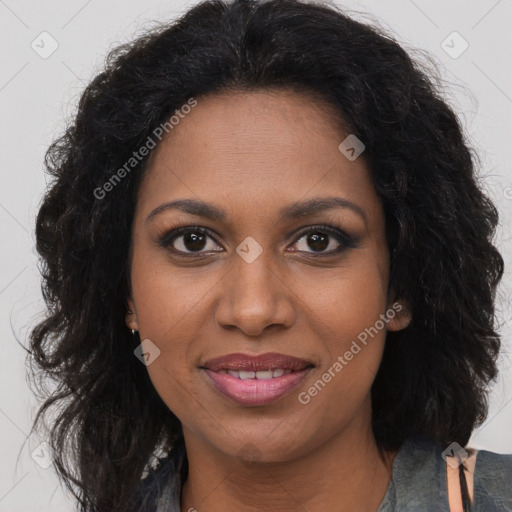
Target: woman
(270, 275)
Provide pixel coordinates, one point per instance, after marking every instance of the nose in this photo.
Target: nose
(255, 297)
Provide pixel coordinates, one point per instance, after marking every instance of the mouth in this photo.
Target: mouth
(271, 373)
(255, 379)
(247, 363)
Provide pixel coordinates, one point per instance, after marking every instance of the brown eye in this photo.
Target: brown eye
(192, 241)
(189, 241)
(317, 241)
(323, 240)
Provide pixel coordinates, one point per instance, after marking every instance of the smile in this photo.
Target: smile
(260, 375)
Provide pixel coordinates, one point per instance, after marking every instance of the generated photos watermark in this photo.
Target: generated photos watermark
(342, 360)
(144, 150)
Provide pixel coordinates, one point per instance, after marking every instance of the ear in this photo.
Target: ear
(131, 316)
(398, 312)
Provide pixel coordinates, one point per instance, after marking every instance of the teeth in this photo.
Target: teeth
(260, 375)
(264, 374)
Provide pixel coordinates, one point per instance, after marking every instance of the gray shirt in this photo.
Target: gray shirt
(418, 482)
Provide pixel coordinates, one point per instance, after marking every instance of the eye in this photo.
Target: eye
(194, 241)
(319, 238)
(189, 241)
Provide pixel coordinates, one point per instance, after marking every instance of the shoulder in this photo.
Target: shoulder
(423, 477)
(492, 481)
(418, 480)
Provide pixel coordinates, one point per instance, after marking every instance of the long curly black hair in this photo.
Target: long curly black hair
(434, 375)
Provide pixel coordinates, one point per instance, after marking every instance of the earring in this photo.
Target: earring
(133, 334)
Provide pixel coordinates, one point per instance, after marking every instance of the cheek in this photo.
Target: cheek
(170, 309)
(347, 313)
(346, 301)
(169, 298)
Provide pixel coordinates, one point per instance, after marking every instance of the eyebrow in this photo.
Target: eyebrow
(291, 211)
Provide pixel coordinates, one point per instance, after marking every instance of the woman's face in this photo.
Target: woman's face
(259, 281)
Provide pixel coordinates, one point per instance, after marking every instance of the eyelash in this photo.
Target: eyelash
(346, 241)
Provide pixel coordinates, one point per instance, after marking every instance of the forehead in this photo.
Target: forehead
(254, 152)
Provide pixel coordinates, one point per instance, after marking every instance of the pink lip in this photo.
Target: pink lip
(255, 391)
(254, 363)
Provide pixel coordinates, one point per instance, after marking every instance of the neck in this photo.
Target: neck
(346, 473)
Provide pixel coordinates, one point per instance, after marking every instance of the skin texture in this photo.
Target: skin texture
(251, 154)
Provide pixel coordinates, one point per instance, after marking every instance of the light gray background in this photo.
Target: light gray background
(37, 96)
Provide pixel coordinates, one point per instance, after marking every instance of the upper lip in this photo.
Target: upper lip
(251, 362)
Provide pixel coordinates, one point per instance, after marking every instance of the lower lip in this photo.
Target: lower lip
(255, 391)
